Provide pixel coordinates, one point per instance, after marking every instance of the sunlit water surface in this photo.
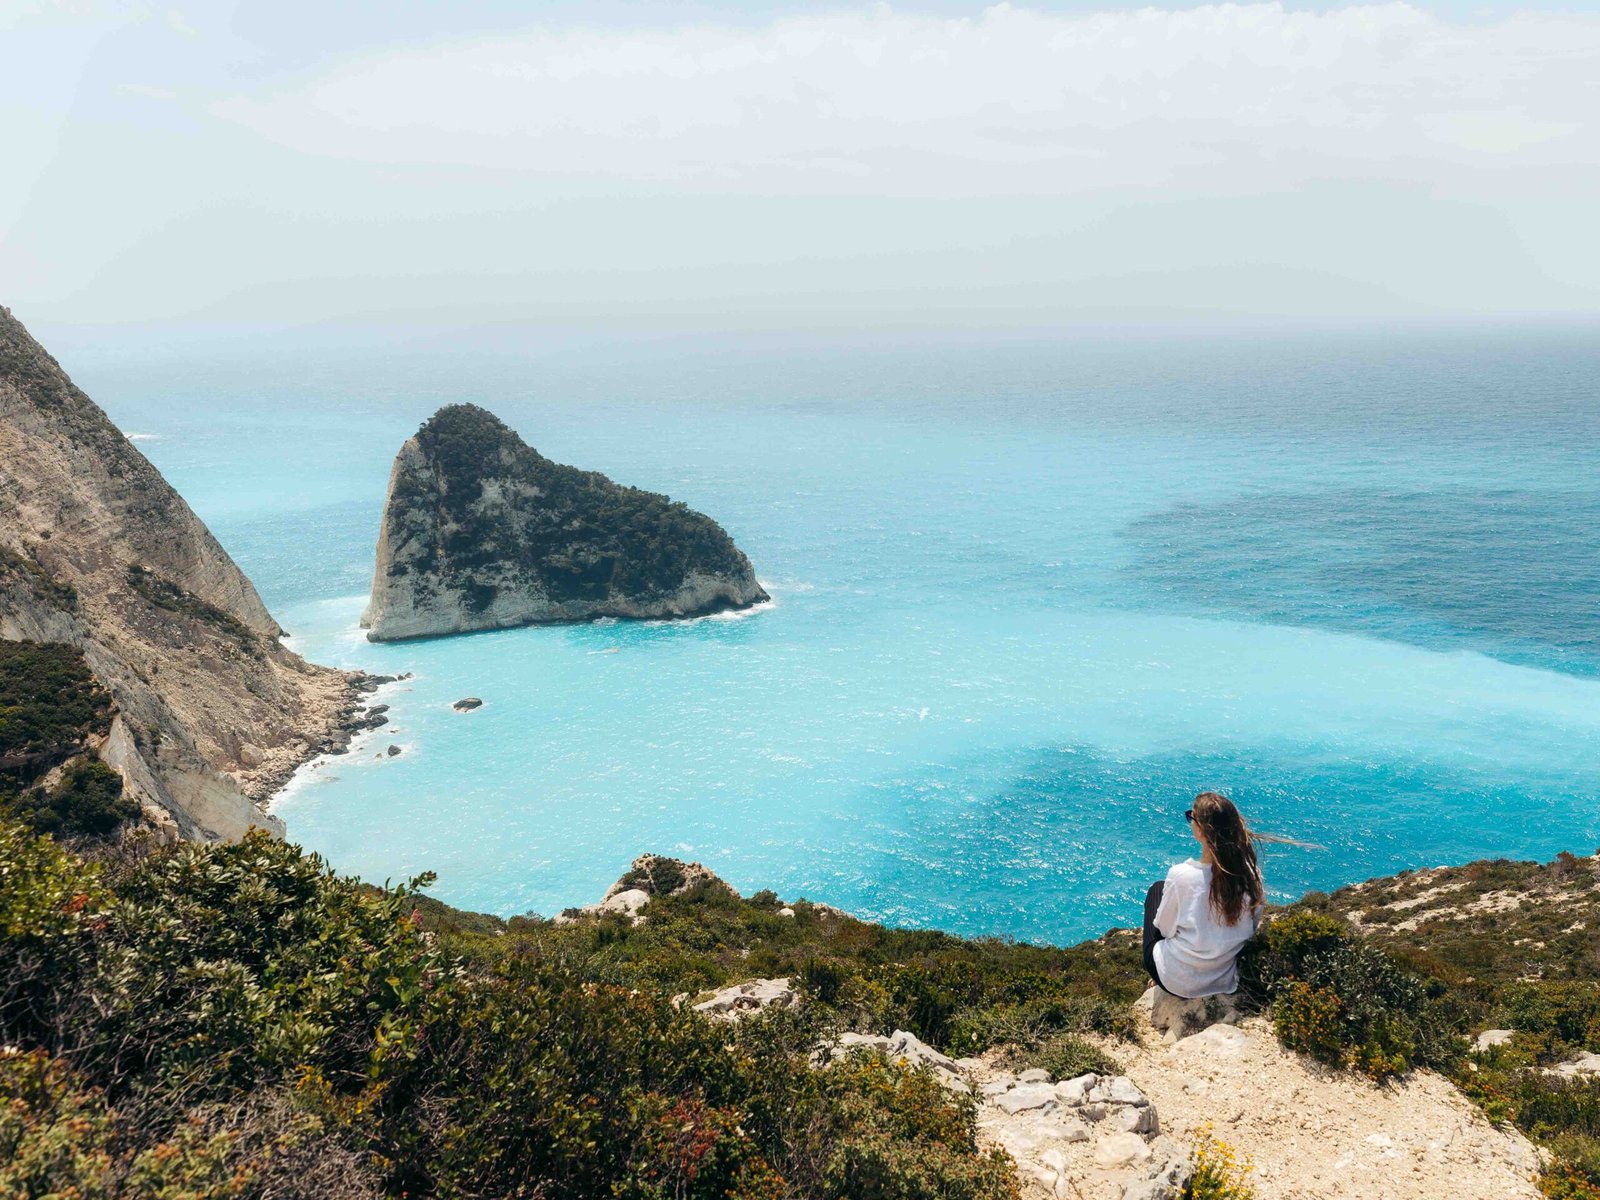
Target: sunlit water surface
(1030, 595)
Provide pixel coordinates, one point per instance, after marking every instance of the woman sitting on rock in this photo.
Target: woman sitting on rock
(1197, 921)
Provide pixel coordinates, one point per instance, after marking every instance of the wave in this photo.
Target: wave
(740, 614)
(729, 614)
(142, 437)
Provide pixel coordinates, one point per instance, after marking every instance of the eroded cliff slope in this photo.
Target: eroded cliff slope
(98, 551)
(480, 531)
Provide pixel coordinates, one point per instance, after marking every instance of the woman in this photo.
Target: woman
(1196, 922)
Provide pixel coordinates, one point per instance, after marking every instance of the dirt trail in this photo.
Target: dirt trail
(1317, 1135)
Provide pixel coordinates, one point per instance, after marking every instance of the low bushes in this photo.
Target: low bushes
(1344, 1002)
(49, 699)
(1443, 955)
(86, 802)
(1065, 1056)
(196, 1022)
(960, 995)
(51, 709)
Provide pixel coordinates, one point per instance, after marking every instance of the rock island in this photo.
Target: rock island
(481, 531)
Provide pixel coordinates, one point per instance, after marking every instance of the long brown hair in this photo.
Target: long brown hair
(1236, 875)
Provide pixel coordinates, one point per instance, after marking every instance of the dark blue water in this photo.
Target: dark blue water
(1031, 595)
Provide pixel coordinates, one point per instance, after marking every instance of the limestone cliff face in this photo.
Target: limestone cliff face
(97, 550)
(480, 531)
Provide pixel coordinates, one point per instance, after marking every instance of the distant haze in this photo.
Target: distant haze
(710, 166)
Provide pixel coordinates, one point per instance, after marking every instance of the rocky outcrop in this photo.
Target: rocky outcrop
(1174, 1017)
(649, 875)
(480, 531)
(1095, 1136)
(753, 995)
(98, 551)
(900, 1046)
(659, 875)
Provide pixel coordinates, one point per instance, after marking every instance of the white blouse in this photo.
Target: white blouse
(1198, 954)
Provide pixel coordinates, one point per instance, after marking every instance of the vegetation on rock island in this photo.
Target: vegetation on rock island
(584, 539)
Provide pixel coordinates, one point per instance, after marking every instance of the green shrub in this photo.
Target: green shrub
(1066, 1057)
(659, 876)
(200, 1021)
(1281, 950)
(1562, 1181)
(1548, 1105)
(692, 1149)
(51, 710)
(1309, 1020)
(87, 802)
(893, 1133)
(1346, 1003)
(53, 1137)
(1574, 1172)
(825, 978)
(48, 896)
(1034, 1021)
(1560, 1014)
(50, 702)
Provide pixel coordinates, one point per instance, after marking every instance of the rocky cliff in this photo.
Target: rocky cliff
(98, 551)
(480, 531)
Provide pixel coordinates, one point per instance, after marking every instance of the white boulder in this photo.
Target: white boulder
(1176, 1018)
(742, 999)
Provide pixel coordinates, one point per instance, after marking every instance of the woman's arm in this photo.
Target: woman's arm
(1171, 902)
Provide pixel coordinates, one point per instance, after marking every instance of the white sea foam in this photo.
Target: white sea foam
(740, 614)
(727, 614)
(143, 437)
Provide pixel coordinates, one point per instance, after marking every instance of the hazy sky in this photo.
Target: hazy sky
(722, 165)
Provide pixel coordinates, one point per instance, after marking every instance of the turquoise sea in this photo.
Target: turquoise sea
(1031, 594)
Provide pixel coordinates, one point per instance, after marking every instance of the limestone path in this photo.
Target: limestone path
(1317, 1135)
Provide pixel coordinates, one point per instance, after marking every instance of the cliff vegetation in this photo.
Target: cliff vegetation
(53, 712)
(235, 1020)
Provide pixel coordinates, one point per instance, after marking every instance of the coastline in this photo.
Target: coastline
(347, 717)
